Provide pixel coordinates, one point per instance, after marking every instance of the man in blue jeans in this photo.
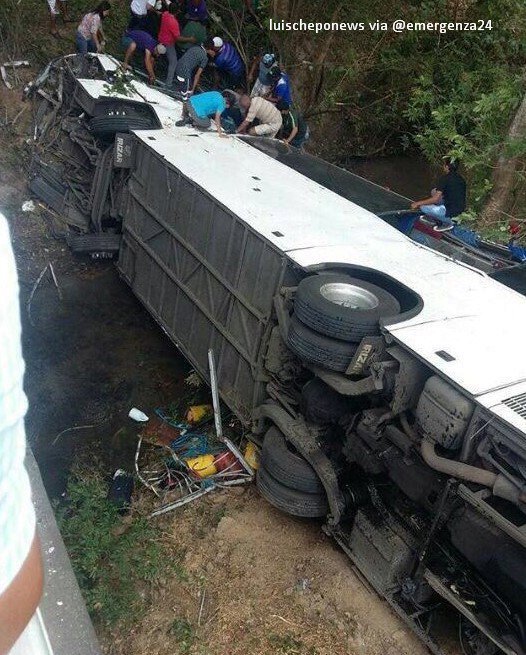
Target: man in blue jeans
(447, 200)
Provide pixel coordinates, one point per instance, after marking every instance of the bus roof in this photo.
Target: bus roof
(465, 313)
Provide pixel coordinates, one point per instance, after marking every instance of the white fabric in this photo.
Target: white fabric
(218, 42)
(17, 516)
(53, 7)
(140, 7)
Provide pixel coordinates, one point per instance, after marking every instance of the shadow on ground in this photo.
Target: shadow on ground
(90, 357)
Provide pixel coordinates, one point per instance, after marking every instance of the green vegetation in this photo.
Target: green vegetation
(289, 645)
(184, 634)
(113, 557)
(371, 92)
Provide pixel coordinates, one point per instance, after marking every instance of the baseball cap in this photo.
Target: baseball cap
(218, 42)
(269, 59)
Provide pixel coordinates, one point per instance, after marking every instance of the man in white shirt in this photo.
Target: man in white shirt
(140, 11)
(20, 564)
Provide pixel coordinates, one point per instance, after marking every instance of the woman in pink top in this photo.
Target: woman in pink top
(169, 35)
(89, 32)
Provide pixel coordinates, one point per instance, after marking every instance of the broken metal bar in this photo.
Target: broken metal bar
(217, 415)
(15, 64)
(183, 501)
(4, 77)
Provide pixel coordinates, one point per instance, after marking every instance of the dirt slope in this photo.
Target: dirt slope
(271, 584)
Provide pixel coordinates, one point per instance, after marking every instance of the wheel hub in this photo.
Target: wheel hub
(349, 295)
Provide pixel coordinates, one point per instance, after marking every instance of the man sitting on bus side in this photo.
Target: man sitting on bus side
(447, 200)
(269, 117)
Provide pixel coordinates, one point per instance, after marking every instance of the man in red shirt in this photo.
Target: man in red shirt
(169, 35)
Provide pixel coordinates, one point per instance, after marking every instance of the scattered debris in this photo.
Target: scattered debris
(76, 427)
(194, 380)
(184, 461)
(202, 604)
(10, 64)
(217, 414)
(48, 267)
(137, 415)
(28, 206)
(121, 490)
(199, 414)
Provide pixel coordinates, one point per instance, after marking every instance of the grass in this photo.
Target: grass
(183, 633)
(116, 559)
(288, 645)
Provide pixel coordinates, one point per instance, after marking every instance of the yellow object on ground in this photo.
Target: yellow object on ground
(251, 455)
(197, 413)
(202, 465)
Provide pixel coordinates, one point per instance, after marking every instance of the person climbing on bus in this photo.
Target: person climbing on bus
(170, 36)
(279, 86)
(264, 65)
(294, 131)
(269, 117)
(232, 116)
(202, 107)
(143, 42)
(228, 64)
(447, 199)
(190, 67)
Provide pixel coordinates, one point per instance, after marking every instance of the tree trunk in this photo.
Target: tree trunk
(504, 174)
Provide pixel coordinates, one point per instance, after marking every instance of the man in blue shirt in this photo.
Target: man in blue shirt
(280, 87)
(228, 63)
(201, 108)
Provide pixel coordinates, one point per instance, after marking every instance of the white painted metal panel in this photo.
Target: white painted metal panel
(465, 313)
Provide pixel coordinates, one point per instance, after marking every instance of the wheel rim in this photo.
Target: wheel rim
(349, 295)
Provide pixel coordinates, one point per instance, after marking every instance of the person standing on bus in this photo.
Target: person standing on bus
(447, 200)
(228, 64)
(264, 65)
(190, 67)
(280, 87)
(169, 36)
(140, 10)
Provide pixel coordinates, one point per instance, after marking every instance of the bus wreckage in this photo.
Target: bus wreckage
(378, 375)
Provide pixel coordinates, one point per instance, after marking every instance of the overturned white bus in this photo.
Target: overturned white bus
(376, 373)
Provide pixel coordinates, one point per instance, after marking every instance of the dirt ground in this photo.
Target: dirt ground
(255, 581)
(260, 582)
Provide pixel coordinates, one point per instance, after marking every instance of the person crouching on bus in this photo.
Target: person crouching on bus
(144, 42)
(295, 131)
(447, 200)
(265, 112)
(201, 108)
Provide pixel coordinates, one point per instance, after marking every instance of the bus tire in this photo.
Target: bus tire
(320, 304)
(290, 501)
(315, 348)
(286, 466)
(106, 127)
(322, 405)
